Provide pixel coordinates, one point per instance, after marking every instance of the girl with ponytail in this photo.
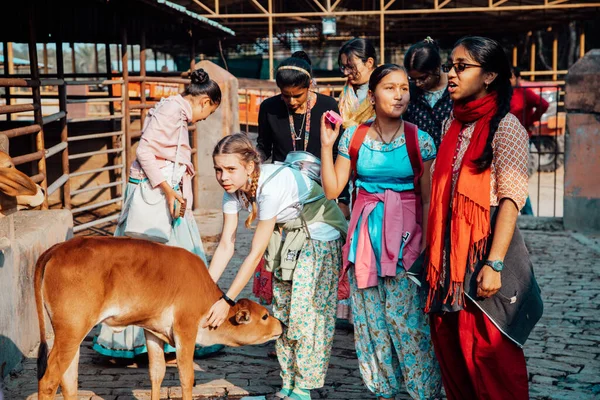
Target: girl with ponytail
(482, 298)
(164, 142)
(300, 233)
(430, 102)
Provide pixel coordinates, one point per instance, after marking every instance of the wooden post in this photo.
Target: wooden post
(382, 31)
(37, 99)
(115, 141)
(143, 75)
(73, 61)
(582, 43)
(271, 66)
(45, 58)
(108, 60)
(8, 70)
(192, 54)
(194, 135)
(532, 60)
(131, 58)
(555, 56)
(118, 57)
(125, 125)
(96, 59)
(514, 56)
(64, 134)
(196, 177)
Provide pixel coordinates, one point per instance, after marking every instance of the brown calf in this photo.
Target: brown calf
(165, 290)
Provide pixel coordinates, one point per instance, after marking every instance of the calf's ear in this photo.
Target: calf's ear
(242, 316)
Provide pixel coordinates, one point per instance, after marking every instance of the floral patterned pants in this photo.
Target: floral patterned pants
(307, 305)
(392, 339)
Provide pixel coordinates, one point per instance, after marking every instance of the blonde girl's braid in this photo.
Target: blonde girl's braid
(240, 144)
(253, 189)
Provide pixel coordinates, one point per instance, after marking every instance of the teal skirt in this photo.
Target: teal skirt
(131, 342)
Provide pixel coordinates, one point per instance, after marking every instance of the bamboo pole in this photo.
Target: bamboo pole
(582, 44)
(514, 56)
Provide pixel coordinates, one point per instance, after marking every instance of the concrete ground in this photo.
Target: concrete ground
(563, 352)
(546, 191)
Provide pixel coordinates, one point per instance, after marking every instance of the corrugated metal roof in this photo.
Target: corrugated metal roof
(197, 16)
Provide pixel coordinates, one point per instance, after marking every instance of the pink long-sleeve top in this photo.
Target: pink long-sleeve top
(164, 126)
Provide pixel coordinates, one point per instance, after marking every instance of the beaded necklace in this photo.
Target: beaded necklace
(310, 102)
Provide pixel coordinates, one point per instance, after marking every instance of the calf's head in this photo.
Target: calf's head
(17, 190)
(247, 323)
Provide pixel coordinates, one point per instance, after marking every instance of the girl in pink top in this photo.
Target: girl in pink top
(165, 128)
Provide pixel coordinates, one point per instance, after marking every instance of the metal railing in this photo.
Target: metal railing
(114, 152)
(40, 153)
(547, 153)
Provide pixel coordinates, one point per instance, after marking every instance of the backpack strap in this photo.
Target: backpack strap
(355, 143)
(411, 133)
(357, 140)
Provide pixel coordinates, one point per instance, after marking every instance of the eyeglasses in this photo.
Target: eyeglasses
(458, 67)
(349, 68)
(422, 79)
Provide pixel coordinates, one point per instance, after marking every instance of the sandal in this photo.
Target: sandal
(277, 396)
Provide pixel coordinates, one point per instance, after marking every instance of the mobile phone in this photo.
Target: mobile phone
(333, 117)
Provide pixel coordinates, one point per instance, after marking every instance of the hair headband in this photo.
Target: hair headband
(295, 69)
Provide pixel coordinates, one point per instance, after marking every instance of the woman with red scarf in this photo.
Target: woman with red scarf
(483, 299)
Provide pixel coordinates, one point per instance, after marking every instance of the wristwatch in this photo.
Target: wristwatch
(228, 300)
(496, 265)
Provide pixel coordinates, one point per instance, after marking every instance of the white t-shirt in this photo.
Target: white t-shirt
(282, 197)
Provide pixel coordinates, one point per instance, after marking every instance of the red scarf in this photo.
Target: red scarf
(470, 213)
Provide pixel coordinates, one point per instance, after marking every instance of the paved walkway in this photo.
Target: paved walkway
(563, 352)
